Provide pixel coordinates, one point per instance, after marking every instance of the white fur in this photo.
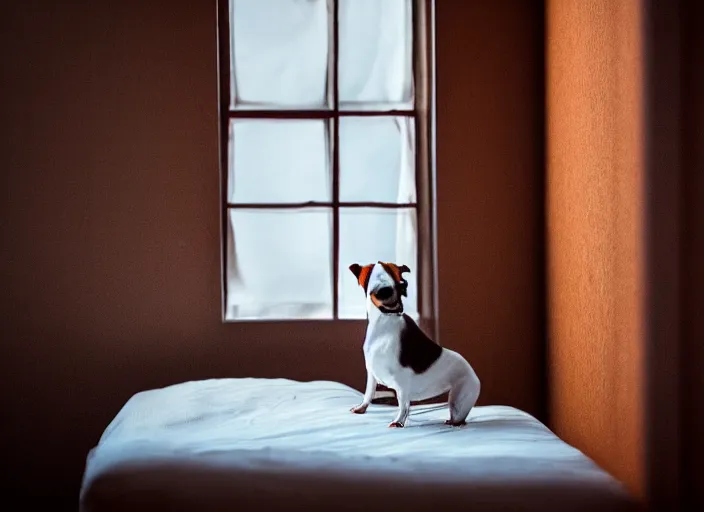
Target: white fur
(450, 372)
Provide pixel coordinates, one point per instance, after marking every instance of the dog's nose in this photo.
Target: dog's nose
(384, 293)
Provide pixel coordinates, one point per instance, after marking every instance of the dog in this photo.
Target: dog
(400, 356)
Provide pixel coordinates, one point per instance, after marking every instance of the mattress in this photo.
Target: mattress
(277, 444)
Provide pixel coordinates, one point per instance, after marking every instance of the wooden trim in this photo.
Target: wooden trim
(223, 34)
(423, 79)
(432, 170)
(315, 114)
(320, 204)
(418, 90)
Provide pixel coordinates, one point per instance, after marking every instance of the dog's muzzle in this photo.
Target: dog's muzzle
(388, 300)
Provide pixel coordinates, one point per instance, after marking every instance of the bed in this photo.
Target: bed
(277, 444)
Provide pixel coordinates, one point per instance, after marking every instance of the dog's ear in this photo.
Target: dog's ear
(362, 273)
(401, 268)
(356, 269)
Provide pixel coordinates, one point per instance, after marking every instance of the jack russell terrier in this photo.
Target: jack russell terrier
(400, 356)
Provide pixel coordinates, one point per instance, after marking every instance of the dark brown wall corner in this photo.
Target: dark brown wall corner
(692, 255)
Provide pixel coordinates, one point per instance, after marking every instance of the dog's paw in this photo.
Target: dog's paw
(455, 423)
(359, 409)
(395, 424)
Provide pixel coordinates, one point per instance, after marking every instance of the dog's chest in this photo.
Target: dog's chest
(382, 348)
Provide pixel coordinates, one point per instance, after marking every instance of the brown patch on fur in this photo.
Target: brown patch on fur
(364, 276)
(362, 273)
(394, 270)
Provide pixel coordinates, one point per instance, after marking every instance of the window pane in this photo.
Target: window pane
(368, 235)
(279, 264)
(375, 57)
(279, 161)
(279, 53)
(377, 161)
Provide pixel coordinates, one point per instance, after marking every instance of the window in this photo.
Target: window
(325, 154)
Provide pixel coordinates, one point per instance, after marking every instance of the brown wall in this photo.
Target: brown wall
(111, 235)
(490, 180)
(594, 230)
(692, 394)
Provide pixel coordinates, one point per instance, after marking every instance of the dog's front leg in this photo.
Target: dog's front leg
(404, 407)
(368, 395)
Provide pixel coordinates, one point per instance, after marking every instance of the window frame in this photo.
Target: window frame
(422, 112)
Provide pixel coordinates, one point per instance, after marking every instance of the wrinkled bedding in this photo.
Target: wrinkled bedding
(276, 444)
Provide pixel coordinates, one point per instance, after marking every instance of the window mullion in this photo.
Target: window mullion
(335, 160)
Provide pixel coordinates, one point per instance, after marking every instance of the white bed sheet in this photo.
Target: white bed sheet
(268, 444)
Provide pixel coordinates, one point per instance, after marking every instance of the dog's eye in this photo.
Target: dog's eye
(384, 293)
